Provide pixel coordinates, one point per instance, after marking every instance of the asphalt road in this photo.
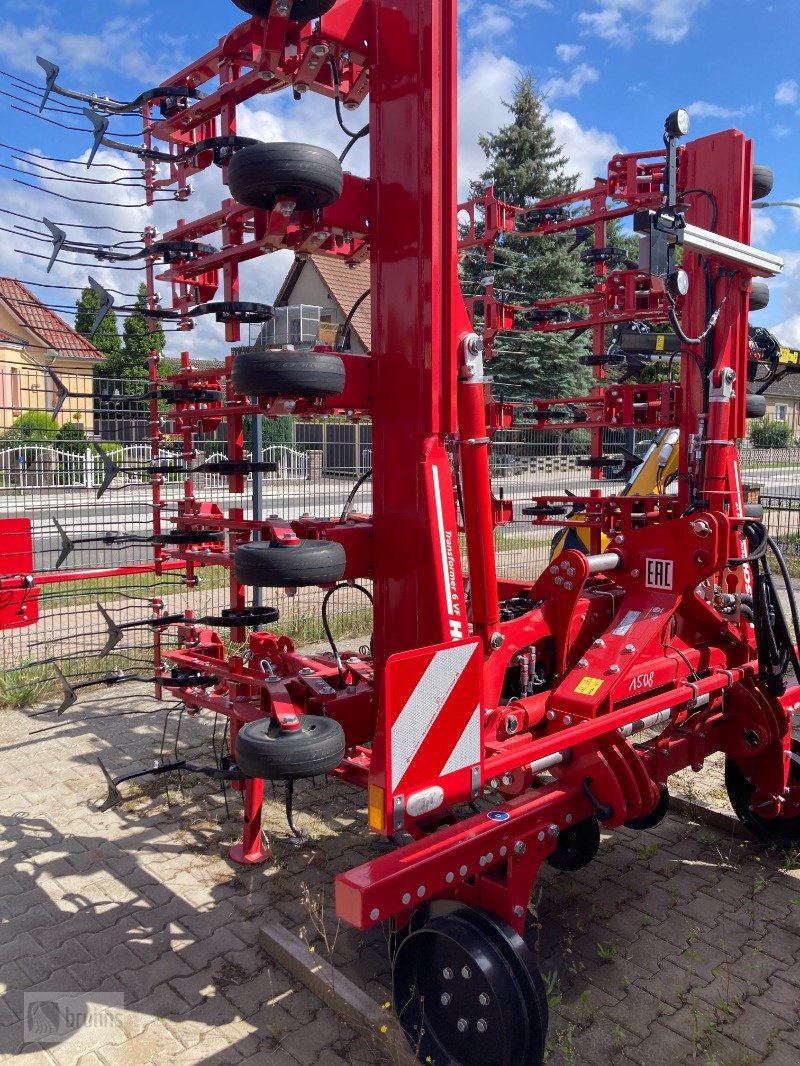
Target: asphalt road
(129, 509)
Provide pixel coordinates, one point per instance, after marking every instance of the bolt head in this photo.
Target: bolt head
(613, 669)
(512, 723)
(463, 1025)
(483, 998)
(445, 999)
(519, 847)
(567, 719)
(466, 973)
(497, 640)
(447, 973)
(553, 830)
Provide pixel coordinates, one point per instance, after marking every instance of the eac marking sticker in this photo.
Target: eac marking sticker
(658, 574)
(587, 686)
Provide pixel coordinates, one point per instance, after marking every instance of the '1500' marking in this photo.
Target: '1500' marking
(641, 681)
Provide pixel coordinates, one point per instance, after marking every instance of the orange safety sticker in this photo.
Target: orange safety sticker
(587, 686)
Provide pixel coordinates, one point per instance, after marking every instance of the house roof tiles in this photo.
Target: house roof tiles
(45, 324)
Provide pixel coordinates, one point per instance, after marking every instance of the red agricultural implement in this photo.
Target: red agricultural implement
(564, 700)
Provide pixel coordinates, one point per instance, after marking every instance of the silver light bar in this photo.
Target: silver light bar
(762, 264)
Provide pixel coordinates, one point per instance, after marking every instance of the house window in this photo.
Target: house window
(781, 412)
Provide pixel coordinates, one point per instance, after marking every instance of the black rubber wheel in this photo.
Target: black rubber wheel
(265, 750)
(655, 817)
(782, 833)
(763, 180)
(467, 990)
(268, 564)
(759, 295)
(261, 174)
(302, 10)
(577, 846)
(755, 405)
(287, 373)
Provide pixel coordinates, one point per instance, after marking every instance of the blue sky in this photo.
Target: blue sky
(611, 69)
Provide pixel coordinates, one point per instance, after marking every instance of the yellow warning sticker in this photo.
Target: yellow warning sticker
(587, 686)
(660, 339)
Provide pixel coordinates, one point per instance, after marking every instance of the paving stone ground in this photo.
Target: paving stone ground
(675, 946)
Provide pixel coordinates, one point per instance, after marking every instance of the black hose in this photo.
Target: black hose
(364, 477)
(761, 548)
(325, 625)
(342, 331)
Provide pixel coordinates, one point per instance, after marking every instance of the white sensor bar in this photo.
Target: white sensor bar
(762, 264)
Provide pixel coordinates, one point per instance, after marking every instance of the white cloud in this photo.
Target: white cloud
(762, 228)
(115, 47)
(489, 23)
(704, 109)
(581, 76)
(568, 53)
(623, 21)
(781, 131)
(487, 81)
(787, 92)
(588, 150)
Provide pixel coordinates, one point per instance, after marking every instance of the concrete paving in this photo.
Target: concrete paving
(675, 946)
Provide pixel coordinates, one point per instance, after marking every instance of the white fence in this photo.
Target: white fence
(45, 467)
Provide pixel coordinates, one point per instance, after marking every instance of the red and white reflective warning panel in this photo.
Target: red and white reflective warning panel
(434, 716)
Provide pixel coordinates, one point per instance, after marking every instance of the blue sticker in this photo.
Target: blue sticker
(498, 816)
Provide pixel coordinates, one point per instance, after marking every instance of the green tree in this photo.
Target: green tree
(526, 164)
(138, 339)
(106, 339)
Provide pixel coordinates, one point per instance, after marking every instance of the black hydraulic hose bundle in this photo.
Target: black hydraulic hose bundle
(776, 647)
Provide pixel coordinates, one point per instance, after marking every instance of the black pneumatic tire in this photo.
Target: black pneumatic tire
(266, 751)
(763, 180)
(287, 373)
(302, 10)
(261, 174)
(755, 405)
(759, 295)
(267, 564)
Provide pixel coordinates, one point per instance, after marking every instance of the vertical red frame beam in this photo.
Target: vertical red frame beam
(418, 318)
(722, 163)
(413, 209)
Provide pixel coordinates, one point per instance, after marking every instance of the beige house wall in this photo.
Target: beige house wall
(311, 289)
(25, 386)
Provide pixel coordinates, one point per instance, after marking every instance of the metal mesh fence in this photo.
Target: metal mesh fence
(50, 470)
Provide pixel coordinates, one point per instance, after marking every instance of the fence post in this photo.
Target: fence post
(258, 483)
(88, 469)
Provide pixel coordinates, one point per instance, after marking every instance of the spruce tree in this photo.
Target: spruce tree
(106, 339)
(526, 165)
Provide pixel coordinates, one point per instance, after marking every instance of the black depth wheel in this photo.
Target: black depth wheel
(782, 833)
(302, 10)
(265, 750)
(268, 564)
(656, 816)
(288, 373)
(577, 846)
(467, 991)
(759, 295)
(763, 180)
(262, 174)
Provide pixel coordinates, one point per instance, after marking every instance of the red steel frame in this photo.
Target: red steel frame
(628, 640)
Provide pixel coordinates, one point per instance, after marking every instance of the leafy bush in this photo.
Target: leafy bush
(72, 438)
(767, 433)
(33, 425)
